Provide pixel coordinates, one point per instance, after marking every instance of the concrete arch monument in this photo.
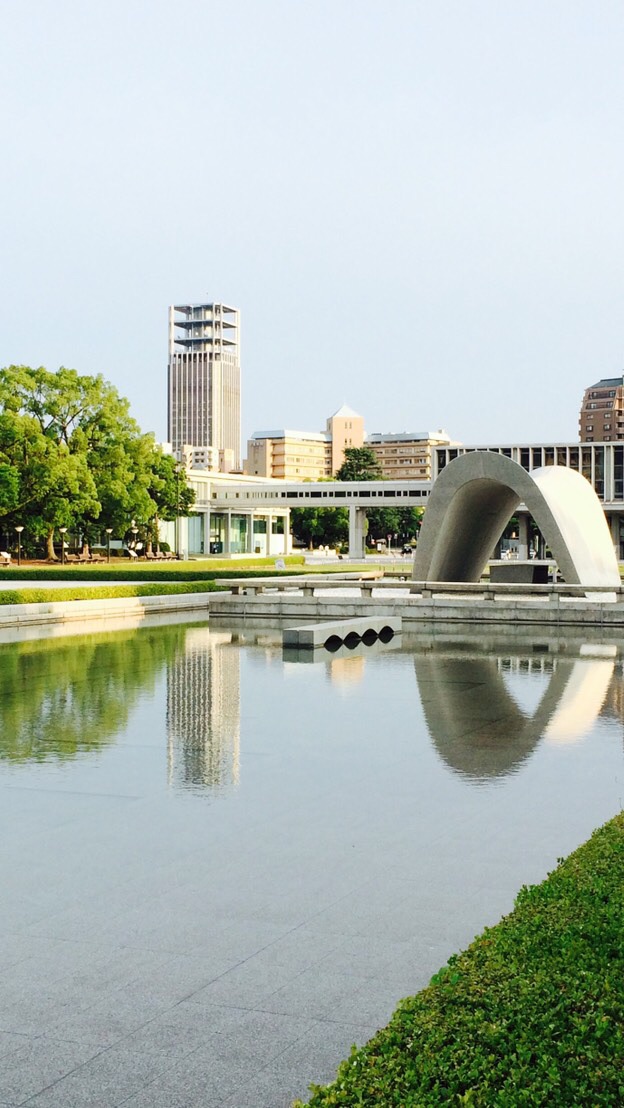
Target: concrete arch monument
(472, 501)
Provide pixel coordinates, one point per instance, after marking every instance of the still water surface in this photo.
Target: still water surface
(252, 834)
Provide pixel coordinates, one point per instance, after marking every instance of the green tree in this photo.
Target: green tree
(49, 483)
(80, 459)
(9, 488)
(360, 464)
(402, 522)
(169, 491)
(320, 525)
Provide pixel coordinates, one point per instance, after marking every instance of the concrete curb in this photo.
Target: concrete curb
(25, 615)
(416, 610)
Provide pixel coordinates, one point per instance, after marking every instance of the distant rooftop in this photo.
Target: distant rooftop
(409, 436)
(345, 412)
(284, 433)
(606, 382)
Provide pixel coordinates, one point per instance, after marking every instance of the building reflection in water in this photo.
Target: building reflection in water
(477, 721)
(203, 712)
(345, 665)
(474, 697)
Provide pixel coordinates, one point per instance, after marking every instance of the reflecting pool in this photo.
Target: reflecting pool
(224, 862)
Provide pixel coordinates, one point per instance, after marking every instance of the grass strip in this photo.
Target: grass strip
(186, 572)
(532, 1013)
(102, 592)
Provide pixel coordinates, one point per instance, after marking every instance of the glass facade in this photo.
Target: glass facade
(602, 464)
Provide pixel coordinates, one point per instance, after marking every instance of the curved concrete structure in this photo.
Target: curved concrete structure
(473, 500)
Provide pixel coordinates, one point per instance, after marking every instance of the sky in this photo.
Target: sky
(418, 207)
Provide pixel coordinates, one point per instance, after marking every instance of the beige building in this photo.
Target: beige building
(304, 455)
(290, 455)
(408, 454)
(602, 411)
(345, 428)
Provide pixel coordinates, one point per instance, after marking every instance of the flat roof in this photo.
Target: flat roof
(408, 436)
(314, 436)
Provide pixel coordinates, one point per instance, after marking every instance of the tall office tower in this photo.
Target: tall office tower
(204, 379)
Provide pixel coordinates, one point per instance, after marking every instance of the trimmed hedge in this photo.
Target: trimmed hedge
(103, 592)
(531, 1014)
(143, 571)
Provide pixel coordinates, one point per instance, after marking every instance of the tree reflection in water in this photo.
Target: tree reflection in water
(62, 698)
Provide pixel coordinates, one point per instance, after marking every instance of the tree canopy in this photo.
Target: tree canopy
(71, 455)
(360, 464)
(315, 526)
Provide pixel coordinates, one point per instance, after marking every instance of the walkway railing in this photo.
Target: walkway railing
(425, 590)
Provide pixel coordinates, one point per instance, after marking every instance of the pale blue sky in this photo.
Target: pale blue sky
(418, 207)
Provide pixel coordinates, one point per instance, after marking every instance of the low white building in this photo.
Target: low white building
(221, 525)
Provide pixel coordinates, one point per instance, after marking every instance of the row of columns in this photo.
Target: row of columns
(249, 534)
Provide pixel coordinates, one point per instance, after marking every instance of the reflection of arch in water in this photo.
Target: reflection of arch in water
(478, 728)
(472, 501)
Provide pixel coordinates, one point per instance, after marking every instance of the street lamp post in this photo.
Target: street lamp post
(19, 545)
(177, 521)
(109, 531)
(63, 531)
(134, 530)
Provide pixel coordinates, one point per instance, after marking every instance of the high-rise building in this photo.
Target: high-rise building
(204, 378)
(602, 411)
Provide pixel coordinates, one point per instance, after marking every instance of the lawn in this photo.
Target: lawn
(531, 1014)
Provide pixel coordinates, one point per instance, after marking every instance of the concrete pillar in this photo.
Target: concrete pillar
(227, 538)
(523, 536)
(269, 529)
(287, 534)
(184, 540)
(357, 517)
(614, 524)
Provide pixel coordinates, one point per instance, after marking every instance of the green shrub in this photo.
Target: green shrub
(531, 1014)
(102, 592)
